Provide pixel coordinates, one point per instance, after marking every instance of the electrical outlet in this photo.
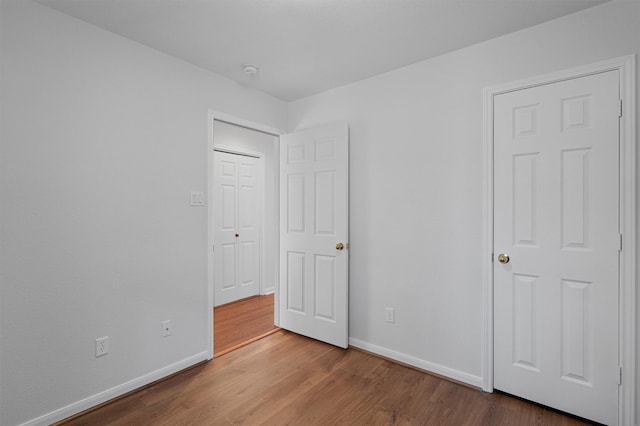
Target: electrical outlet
(102, 346)
(390, 315)
(165, 328)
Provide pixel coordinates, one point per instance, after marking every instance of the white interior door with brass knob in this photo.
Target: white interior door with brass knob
(557, 235)
(314, 259)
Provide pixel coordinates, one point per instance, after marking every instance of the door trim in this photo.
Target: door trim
(625, 66)
(211, 146)
(238, 151)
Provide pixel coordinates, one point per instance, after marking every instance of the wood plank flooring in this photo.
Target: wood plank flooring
(241, 322)
(287, 379)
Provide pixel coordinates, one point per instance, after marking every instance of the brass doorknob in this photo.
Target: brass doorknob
(339, 246)
(503, 258)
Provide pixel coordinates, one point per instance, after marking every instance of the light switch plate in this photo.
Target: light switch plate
(197, 198)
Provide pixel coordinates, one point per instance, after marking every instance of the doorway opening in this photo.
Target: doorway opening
(305, 195)
(243, 232)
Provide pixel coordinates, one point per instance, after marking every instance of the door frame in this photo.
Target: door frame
(625, 66)
(211, 147)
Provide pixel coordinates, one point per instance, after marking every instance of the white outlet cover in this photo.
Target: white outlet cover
(102, 346)
(389, 315)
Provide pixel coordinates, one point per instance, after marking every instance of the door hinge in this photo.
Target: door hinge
(620, 247)
(213, 247)
(620, 376)
(619, 108)
(491, 257)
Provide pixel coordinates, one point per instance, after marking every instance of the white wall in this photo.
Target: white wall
(102, 140)
(229, 135)
(416, 181)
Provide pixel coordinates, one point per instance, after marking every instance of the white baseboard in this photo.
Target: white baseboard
(99, 398)
(417, 362)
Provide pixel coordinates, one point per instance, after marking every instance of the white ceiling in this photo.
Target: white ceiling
(303, 47)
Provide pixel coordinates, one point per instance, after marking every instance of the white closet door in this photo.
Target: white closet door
(236, 222)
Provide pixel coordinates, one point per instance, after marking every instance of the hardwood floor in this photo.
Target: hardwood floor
(287, 379)
(241, 322)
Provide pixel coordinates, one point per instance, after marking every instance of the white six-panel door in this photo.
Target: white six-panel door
(236, 222)
(556, 218)
(314, 233)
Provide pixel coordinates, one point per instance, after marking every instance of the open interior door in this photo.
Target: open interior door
(314, 232)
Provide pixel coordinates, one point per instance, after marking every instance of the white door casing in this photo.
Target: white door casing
(556, 151)
(211, 147)
(314, 184)
(236, 207)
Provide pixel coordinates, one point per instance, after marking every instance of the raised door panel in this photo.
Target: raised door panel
(295, 208)
(228, 207)
(325, 212)
(295, 282)
(577, 332)
(575, 198)
(526, 349)
(248, 263)
(325, 288)
(228, 267)
(525, 188)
